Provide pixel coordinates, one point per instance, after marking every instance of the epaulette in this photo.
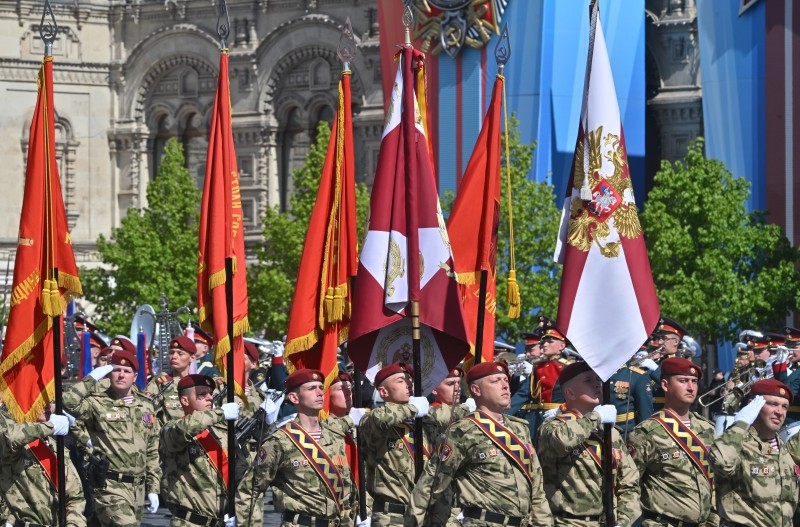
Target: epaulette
(636, 369)
(515, 419)
(564, 360)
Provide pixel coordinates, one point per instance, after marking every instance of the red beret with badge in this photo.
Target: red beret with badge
(123, 343)
(484, 369)
(195, 379)
(125, 358)
(392, 369)
(184, 343)
(303, 376)
(250, 349)
(573, 370)
(680, 366)
(343, 376)
(771, 387)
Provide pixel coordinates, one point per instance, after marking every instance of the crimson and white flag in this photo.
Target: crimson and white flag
(404, 214)
(607, 305)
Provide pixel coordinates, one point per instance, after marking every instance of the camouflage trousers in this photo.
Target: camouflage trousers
(561, 521)
(119, 504)
(385, 519)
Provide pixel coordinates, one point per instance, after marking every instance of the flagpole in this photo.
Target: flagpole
(48, 30)
(223, 30)
(481, 315)
(608, 476)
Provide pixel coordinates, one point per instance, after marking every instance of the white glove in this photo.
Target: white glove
(153, 497)
(60, 424)
(271, 409)
(231, 411)
(70, 417)
(277, 348)
(527, 367)
(749, 413)
(229, 522)
(782, 356)
(101, 371)
(470, 404)
(363, 523)
(607, 413)
(356, 414)
(650, 364)
(421, 404)
(550, 414)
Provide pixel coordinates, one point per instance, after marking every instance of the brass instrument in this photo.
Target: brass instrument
(744, 380)
(689, 348)
(517, 366)
(652, 356)
(167, 327)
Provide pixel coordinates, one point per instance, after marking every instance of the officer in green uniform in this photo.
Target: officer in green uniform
(195, 454)
(632, 396)
(756, 476)
(123, 428)
(671, 452)
(571, 453)
(28, 473)
(489, 458)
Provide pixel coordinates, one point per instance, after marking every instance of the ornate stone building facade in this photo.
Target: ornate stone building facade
(130, 74)
(672, 69)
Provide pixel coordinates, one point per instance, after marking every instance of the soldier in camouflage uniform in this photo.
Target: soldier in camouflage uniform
(123, 428)
(387, 442)
(671, 452)
(489, 458)
(755, 473)
(28, 470)
(304, 462)
(195, 454)
(570, 450)
(163, 388)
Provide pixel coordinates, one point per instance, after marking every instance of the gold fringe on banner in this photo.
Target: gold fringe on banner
(512, 295)
(51, 299)
(327, 305)
(339, 298)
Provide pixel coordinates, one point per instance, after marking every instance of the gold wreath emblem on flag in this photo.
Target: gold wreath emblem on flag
(612, 205)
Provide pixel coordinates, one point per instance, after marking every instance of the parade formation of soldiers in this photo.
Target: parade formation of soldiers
(167, 445)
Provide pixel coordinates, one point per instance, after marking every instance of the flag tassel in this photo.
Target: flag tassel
(512, 295)
(51, 299)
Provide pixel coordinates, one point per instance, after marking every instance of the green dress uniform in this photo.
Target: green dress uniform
(570, 450)
(311, 485)
(675, 474)
(757, 485)
(387, 442)
(495, 471)
(28, 472)
(127, 435)
(632, 396)
(193, 449)
(168, 403)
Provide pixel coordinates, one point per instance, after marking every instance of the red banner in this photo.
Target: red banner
(44, 248)
(222, 238)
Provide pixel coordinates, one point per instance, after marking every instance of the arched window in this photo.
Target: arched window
(294, 147)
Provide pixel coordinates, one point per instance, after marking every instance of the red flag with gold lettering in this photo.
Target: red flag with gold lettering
(45, 274)
(473, 223)
(222, 238)
(320, 314)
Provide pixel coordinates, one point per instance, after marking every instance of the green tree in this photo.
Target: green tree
(536, 220)
(272, 279)
(153, 252)
(718, 269)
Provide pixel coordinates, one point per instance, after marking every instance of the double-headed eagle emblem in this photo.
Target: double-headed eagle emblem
(448, 25)
(611, 213)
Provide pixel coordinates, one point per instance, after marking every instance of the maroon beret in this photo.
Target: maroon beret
(343, 376)
(302, 376)
(573, 370)
(484, 369)
(125, 358)
(455, 372)
(771, 387)
(105, 352)
(680, 366)
(190, 381)
(251, 350)
(391, 369)
(124, 343)
(184, 343)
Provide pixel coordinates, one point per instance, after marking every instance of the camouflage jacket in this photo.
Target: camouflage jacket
(254, 399)
(756, 485)
(670, 482)
(484, 476)
(388, 462)
(193, 480)
(24, 483)
(573, 479)
(168, 404)
(296, 485)
(126, 435)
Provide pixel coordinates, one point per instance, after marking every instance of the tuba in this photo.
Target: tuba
(165, 327)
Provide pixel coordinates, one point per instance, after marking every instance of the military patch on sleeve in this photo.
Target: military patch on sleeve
(262, 455)
(445, 452)
(148, 418)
